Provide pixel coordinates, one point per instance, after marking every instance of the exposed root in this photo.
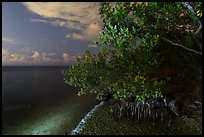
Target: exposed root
(152, 110)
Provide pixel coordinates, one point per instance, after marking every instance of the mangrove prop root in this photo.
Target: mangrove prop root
(154, 110)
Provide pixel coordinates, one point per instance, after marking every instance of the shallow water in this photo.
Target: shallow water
(35, 101)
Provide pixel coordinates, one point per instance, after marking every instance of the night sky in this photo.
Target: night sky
(48, 33)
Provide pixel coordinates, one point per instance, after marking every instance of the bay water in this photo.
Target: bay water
(36, 101)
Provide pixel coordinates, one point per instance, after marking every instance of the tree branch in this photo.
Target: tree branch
(194, 14)
(199, 43)
(200, 53)
(199, 29)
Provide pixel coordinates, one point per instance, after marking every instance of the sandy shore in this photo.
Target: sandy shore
(53, 118)
(101, 123)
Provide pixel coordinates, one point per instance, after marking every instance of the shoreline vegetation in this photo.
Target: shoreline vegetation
(101, 123)
(150, 77)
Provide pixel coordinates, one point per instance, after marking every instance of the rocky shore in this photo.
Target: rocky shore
(101, 123)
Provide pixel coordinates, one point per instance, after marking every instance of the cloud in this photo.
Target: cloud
(44, 54)
(9, 57)
(12, 58)
(82, 16)
(68, 35)
(38, 20)
(8, 40)
(59, 23)
(47, 57)
(92, 46)
(69, 24)
(65, 57)
(26, 49)
(93, 28)
(20, 58)
(84, 12)
(78, 36)
(36, 56)
(54, 23)
(78, 56)
(5, 52)
(43, 58)
(89, 33)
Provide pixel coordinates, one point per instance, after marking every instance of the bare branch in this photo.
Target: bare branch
(199, 29)
(198, 42)
(200, 53)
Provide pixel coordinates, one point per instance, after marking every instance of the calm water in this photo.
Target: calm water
(32, 94)
(28, 84)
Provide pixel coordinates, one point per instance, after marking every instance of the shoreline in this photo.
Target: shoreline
(54, 118)
(101, 123)
(82, 123)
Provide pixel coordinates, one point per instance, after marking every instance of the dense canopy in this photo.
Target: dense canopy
(143, 45)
